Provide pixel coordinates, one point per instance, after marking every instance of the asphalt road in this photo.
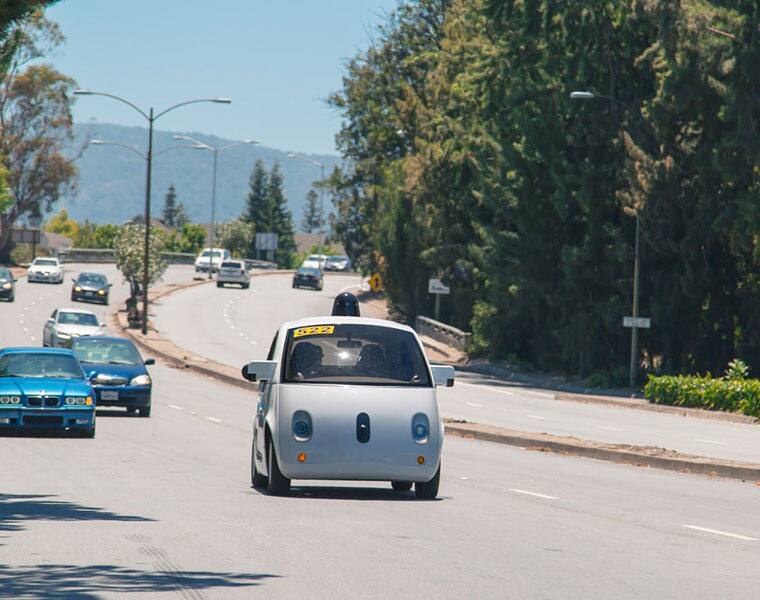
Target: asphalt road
(234, 326)
(162, 508)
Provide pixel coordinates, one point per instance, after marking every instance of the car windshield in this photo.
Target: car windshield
(205, 254)
(5, 275)
(354, 354)
(112, 352)
(45, 262)
(39, 364)
(92, 279)
(336, 259)
(77, 318)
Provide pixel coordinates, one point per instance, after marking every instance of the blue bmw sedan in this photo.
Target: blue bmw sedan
(45, 388)
(116, 371)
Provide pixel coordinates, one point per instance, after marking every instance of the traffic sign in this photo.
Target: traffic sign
(436, 286)
(376, 282)
(266, 241)
(637, 322)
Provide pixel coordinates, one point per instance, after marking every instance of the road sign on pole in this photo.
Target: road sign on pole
(637, 322)
(376, 282)
(436, 286)
(266, 241)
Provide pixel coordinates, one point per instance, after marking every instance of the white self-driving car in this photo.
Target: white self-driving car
(347, 398)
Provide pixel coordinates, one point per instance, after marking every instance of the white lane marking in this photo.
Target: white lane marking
(175, 407)
(34, 339)
(464, 478)
(213, 420)
(608, 428)
(26, 330)
(487, 387)
(736, 536)
(539, 417)
(534, 494)
(716, 442)
(192, 412)
(475, 404)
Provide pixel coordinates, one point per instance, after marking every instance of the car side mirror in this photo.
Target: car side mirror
(259, 370)
(110, 285)
(149, 361)
(443, 375)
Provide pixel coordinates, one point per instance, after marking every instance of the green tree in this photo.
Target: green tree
(312, 218)
(174, 213)
(85, 235)
(236, 236)
(105, 235)
(189, 238)
(35, 112)
(280, 220)
(129, 247)
(63, 225)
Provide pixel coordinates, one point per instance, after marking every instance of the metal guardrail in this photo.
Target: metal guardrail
(252, 263)
(105, 255)
(441, 332)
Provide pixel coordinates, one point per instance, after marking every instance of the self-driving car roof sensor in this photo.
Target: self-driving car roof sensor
(345, 305)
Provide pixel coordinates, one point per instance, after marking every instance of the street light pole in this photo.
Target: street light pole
(632, 375)
(151, 118)
(198, 145)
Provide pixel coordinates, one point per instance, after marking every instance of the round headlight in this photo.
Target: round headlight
(420, 431)
(102, 292)
(4, 399)
(7, 286)
(301, 428)
(77, 289)
(140, 380)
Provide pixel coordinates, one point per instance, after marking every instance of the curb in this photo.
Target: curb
(640, 456)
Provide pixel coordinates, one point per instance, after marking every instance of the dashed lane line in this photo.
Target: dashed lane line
(534, 494)
(714, 442)
(735, 536)
(608, 428)
(175, 407)
(539, 417)
(475, 404)
(213, 420)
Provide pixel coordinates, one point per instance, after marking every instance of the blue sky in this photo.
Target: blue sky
(276, 59)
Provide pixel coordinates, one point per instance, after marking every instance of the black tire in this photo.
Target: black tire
(131, 410)
(428, 490)
(144, 412)
(12, 298)
(257, 479)
(401, 486)
(277, 483)
(219, 284)
(246, 286)
(87, 433)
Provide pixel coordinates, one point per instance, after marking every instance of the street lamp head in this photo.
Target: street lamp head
(251, 141)
(293, 155)
(96, 142)
(582, 95)
(180, 137)
(221, 100)
(82, 92)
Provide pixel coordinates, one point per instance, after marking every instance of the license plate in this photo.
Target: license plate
(109, 395)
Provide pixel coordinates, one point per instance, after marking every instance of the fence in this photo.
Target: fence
(441, 332)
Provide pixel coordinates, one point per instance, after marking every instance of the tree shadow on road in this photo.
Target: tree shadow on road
(75, 582)
(18, 509)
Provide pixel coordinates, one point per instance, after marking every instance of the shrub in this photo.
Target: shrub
(21, 254)
(731, 394)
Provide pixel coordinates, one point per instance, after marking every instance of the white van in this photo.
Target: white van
(211, 259)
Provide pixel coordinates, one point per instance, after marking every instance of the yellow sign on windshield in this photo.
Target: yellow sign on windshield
(314, 330)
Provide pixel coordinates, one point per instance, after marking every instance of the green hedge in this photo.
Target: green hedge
(735, 395)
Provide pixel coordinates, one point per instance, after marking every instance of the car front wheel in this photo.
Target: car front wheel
(144, 412)
(277, 483)
(257, 479)
(428, 490)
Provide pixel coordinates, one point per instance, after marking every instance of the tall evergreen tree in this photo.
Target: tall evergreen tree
(312, 218)
(256, 204)
(280, 219)
(170, 207)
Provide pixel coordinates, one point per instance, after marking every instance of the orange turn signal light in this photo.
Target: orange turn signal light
(420, 460)
(88, 401)
(302, 457)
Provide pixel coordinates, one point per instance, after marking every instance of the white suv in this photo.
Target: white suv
(233, 271)
(45, 269)
(211, 259)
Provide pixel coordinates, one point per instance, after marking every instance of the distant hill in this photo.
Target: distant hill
(112, 180)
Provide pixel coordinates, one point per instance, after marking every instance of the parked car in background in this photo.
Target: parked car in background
(308, 277)
(315, 261)
(338, 263)
(7, 285)
(211, 259)
(45, 270)
(90, 287)
(65, 324)
(116, 371)
(42, 388)
(233, 271)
